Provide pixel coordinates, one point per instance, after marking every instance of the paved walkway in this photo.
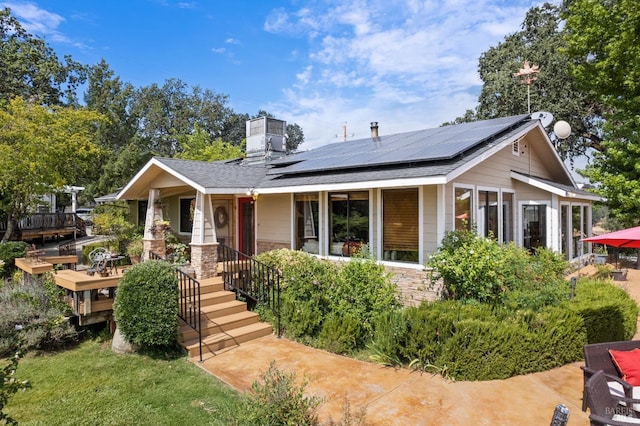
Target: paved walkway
(401, 397)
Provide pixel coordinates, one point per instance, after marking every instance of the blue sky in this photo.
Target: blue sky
(407, 64)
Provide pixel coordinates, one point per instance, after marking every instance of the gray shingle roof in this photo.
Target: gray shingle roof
(419, 154)
(217, 174)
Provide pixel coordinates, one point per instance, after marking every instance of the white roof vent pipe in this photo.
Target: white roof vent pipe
(374, 129)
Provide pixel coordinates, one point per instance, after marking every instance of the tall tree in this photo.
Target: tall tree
(108, 95)
(30, 69)
(173, 109)
(603, 42)
(539, 42)
(235, 129)
(199, 146)
(122, 158)
(41, 149)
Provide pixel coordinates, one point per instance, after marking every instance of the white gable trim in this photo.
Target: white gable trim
(509, 142)
(155, 163)
(494, 150)
(537, 183)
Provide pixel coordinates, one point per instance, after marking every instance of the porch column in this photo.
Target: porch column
(153, 241)
(204, 242)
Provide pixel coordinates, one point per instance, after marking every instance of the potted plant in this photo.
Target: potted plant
(135, 249)
(160, 226)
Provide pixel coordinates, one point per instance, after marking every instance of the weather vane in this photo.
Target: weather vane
(527, 73)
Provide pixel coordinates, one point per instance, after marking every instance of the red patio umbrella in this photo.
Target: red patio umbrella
(629, 237)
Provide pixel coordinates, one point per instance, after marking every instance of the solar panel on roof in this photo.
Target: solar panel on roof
(418, 146)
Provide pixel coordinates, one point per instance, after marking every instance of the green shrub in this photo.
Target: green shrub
(478, 341)
(609, 313)
(146, 304)
(112, 245)
(341, 334)
(34, 314)
(8, 253)
(489, 349)
(277, 400)
(330, 306)
(473, 271)
(362, 291)
(477, 268)
(113, 220)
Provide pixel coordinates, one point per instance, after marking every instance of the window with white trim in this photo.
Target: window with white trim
(400, 225)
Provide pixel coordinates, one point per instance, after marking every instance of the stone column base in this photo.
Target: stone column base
(157, 246)
(204, 260)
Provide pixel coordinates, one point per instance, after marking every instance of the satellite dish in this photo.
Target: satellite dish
(562, 129)
(545, 117)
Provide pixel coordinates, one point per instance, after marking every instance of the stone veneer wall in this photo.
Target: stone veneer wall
(204, 260)
(264, 245)
(157, 246)
(413, 285)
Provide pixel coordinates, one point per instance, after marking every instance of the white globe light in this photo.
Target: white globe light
(562, 129)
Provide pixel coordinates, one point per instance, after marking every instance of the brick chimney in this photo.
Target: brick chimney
(374, 129)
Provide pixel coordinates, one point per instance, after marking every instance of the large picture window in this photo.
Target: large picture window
(349, 217)
(400, 225)
(307, 222)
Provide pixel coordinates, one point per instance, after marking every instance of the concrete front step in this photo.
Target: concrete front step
(219, 325)
(234, 337)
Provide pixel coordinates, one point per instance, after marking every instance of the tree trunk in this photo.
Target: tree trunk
(9, 232)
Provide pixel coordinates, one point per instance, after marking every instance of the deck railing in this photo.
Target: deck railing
(189, 300)
(44, 221)
(47, 222)
(251, 279)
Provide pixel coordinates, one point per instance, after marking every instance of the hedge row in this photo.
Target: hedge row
(609, 313)
(480, 342)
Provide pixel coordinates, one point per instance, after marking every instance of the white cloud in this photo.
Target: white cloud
(408, 64)
(219, 50)
(36, 20)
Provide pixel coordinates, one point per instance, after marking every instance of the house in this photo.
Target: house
(397, 194)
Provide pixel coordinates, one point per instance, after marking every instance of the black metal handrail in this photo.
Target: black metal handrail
(189, 300)
(255, 281)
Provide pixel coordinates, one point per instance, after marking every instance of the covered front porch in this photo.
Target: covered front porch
(204, 204)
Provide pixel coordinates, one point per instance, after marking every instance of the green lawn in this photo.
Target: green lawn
(90, 385)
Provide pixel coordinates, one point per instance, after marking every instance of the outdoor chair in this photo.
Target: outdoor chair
(98, 258)
(597, 357)
(605, 408)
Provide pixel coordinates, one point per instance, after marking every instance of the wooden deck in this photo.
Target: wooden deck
(81, 281)
(90, 296)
